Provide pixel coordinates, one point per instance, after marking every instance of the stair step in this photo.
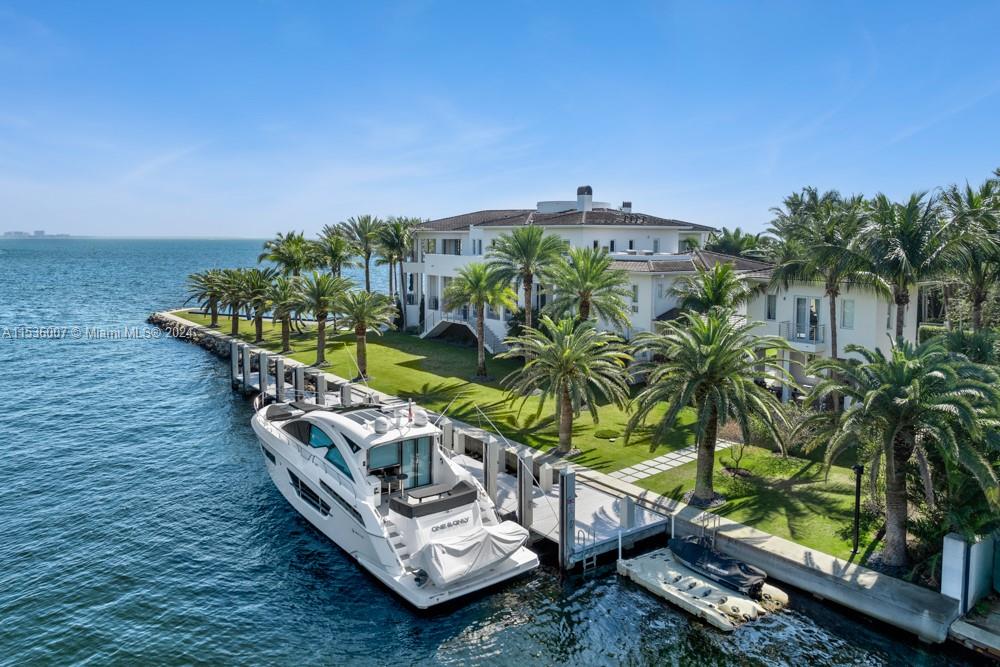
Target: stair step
(399, 545)
(393, 534)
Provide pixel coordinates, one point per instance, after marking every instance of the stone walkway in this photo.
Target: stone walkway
(651, 467)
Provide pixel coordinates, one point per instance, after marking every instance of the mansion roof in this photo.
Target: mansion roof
(517, 217)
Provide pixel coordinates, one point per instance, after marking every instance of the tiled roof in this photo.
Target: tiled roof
(653, 265)
(516, 217)
(708, 259)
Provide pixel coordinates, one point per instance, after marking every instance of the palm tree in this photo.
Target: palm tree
(286, 297)
(234, 295)
(363, 232)
(478, 285)
(364, 312)
(974, 215)
(708, 361)
(586, 281)
(206, 288)
(825, 229)
(914, 401)
(717, 287)
(908, 244)
(395, 243)
(291, 252)
(572, 363)
(258, 294)
(735, 242)
(335, 249)
(320, 294)
(520, 255)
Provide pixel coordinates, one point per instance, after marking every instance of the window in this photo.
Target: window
(356, 515)
(318, 438)
(334, 456)
(631, 244)
(413, 456)
(595, 244)
(656, 245)
(772, 307)
(611, 245)
(889, 319)
(430, 246)
(306, 493)
(298, 430)
(383, 456)
(847, 314)
(268, 454)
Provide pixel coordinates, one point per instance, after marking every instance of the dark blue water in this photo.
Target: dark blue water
(138, 526)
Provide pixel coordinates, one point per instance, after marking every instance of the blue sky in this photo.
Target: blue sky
(242, 119)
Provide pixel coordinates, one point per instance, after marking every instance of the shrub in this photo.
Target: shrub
(928, 331)
(606, 433)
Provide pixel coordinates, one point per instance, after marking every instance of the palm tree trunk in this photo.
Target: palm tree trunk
(286, 334)
(402, 296)
(320, 339)
(704, 491)
(894, 552)
(235, 321)
(392, 273)
(565, 422)
(528, 279)
(480, 342)
(902, 300)
(925, 477)
(368, 272)
(362, 345)
(213, 309)
(584, 309)
(978, 297)
(258, 324)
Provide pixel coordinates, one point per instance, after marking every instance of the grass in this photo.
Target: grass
(437, 375)
(791, 498)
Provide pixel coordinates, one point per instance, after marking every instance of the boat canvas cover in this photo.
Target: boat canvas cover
(449, 559)
(697, 553)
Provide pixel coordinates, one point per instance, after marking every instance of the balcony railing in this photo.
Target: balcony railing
(802, 333)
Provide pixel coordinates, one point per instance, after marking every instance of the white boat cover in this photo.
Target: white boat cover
(449, 559)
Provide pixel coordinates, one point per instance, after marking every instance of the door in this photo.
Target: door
(806, 317)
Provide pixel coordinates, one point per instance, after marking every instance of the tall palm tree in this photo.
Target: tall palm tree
(395, 243)
(914, 401)
(206, 288)
(234, 296)
(735, 242)
(363, 232)
(708, 361)
(908, 244)
(291, 252)
(974, 214)
(364, 312)
(286, 297)
(478, 285)
(335, 249)
(825, 230)
(717, 287)
(320, 293)
(585, 281)
(520, 255)
(258, 293)
(572, 363)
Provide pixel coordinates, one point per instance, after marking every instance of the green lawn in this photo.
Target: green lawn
(436, 374)
(791, 498)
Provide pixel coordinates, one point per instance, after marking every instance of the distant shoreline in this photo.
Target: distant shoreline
(75, 237)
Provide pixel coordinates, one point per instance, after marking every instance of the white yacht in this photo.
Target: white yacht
(377, 482)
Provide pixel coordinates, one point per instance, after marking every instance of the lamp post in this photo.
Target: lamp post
(858, 472)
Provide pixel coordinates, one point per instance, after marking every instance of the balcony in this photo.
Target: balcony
(806, 337)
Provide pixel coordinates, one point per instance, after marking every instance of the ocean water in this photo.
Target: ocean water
(138, 526)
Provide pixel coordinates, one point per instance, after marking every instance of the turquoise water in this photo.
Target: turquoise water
(139, 526)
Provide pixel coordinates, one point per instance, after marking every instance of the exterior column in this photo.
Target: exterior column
(786, 392)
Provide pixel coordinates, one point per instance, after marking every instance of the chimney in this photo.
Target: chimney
(584, 198)
(626, 207)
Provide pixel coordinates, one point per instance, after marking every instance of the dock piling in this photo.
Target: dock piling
(299, 383)
(567, 516)
(263, 359)
(525, 491)
(234, 362)
(246, 368)
(346, 396)
(491, 460)
(279, 379)
(321, 388)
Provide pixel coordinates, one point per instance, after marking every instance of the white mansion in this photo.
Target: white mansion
(654, 251)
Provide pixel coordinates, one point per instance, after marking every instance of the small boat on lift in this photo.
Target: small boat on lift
(724, 591)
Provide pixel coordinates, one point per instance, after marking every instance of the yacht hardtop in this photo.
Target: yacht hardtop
(376, 481)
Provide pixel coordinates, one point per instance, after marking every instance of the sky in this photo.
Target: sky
(248, 118)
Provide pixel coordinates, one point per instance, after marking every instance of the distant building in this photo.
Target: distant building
(17, 235)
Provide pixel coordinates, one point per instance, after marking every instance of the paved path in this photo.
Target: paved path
(651, 467)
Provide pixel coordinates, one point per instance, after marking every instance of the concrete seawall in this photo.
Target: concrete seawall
(920, 611)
